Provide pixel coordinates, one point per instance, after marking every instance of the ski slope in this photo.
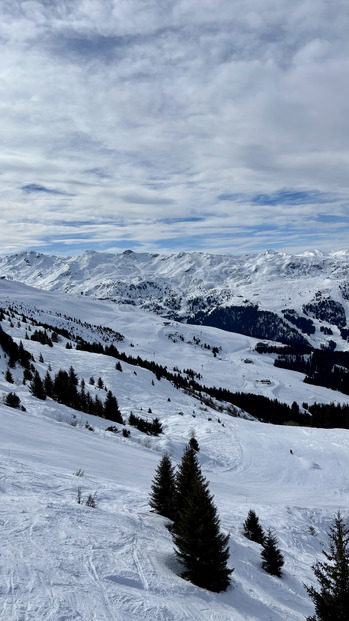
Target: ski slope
(60, 560)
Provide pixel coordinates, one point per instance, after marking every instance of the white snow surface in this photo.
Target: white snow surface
(60, 560)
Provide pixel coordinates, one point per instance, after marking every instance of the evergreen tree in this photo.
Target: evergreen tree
(188, 472)
(60, 384)
(48, 385)
(37, 388)
(73, 378)
(84, 407)
(332, 600)
(12, 400)
(89, 403)
(27, 375)
(64, 388)
(9, 376)
(111, 409)
(252, 528)
(156, 427)
(271, 555)
(163, 488)
(97, 407)
(194, 444)
(100, 383)
(199, 545)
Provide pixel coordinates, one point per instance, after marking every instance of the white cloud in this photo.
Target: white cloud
(134, 112)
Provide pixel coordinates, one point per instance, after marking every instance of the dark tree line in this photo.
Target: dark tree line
(42, 337)
(262, 408)
(303, 323)
(249, 320)
(267, 348)
(151, 428)
(16, 353)
(329, 415)
(70, 334)
(322, 367)
(64, 388)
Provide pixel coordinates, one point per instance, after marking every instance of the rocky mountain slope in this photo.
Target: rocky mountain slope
(290, 298)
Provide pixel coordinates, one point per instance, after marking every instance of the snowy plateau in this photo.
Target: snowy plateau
(64, 561)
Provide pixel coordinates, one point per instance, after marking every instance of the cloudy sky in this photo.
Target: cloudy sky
(165, 125)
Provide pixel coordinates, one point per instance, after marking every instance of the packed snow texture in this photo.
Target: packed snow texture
(60, 560)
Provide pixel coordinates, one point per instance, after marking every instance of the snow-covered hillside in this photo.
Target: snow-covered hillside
(193, 285)
(60, 560)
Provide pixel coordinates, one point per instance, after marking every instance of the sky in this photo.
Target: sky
(167, 125)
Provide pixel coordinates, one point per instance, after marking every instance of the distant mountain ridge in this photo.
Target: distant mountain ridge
(291, 298)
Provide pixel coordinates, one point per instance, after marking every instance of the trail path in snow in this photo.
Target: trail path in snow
(62, 561)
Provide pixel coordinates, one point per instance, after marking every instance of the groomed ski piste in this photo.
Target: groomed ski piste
(60, 560)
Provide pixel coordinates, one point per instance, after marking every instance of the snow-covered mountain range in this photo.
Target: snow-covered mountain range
(290, 298)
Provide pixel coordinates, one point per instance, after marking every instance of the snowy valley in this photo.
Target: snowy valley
(61, 560)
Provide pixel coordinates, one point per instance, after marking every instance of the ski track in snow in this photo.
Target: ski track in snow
(61, 561)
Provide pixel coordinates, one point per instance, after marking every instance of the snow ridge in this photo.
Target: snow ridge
(180, 284)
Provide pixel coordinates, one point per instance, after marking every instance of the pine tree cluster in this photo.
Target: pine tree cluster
(152, 428)
(184, 497)
(64, 388)
(16, 353)
(272, 559)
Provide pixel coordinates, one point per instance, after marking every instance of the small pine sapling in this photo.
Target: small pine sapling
(252, 528)
(12, 400)
(92, 500)
(271, 555)
(9, 377)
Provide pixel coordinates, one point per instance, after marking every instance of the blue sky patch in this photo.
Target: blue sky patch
(35, 187)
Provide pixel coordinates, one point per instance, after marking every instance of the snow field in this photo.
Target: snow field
(64, 561)
(61, 560)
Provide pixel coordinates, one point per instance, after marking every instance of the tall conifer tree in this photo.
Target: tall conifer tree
(37, 388)
(111, 409)
(199, 545)
(332, 600)
(188, 471)
(271, 555)
(163, 488)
